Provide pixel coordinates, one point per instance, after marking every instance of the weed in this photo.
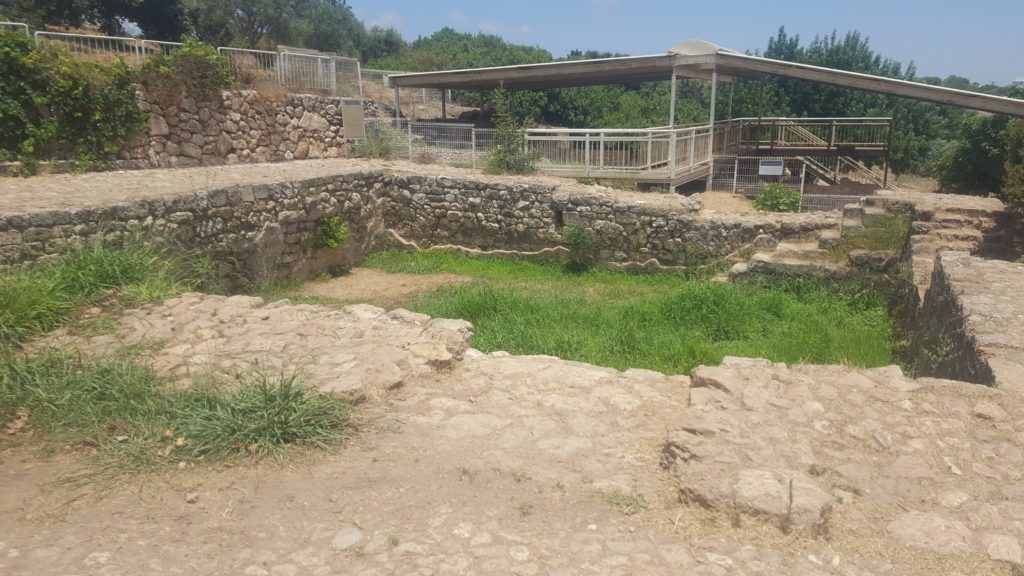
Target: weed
(520, 477)
(582, 244)
(37, 298)
(129, 416)
(465, 474)
(393, 541)
(818, 470)
(384, 143)
(331, 232)
(524, 509)
(627, 503)
(777, 198)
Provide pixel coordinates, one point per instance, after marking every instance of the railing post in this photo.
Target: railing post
(832, 141)
(586, 153)
(650, 144)
(600, 149)
(472, 139)
(735, 174)
(408, 123)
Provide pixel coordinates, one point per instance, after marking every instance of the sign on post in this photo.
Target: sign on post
(771, 167)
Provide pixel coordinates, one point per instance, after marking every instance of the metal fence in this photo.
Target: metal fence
(295, 69)
(105, 49)
(447, 143)
(16, 26)
(743, 176)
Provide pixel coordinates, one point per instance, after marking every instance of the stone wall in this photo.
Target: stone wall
(239, 127)
(270, 227)
(969, 324)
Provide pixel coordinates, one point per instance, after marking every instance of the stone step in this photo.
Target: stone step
(795, 251)
(958, 234)
(829, 239)
(928, 246)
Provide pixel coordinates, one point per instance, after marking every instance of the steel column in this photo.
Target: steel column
(711, 127)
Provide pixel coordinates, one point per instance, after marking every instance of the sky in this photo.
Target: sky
(981, 39)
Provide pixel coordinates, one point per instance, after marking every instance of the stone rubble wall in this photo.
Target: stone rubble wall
(271, 227)
(969, 323)
(240, 127)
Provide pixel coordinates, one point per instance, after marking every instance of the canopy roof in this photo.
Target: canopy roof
(693, 59)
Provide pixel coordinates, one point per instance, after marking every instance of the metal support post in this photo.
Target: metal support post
(473, 145)
(586, 153)
(803, 174)
(735, 174)
(444, 104)
(398, 104)
(409, 133)
(672, 131)
(359, 76)
(711, 127)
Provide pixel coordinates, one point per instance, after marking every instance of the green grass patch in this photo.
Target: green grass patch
(884, 232)
(36, 298)
(661, 322)
(133, 419)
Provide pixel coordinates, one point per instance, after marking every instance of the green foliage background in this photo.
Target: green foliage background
(53, 105)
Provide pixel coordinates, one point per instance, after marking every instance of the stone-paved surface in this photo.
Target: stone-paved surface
(264, 215)
(358, 351)
(531, 465)
(971, 324)
(921, 469)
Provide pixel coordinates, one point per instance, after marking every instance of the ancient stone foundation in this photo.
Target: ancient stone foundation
(271, 228)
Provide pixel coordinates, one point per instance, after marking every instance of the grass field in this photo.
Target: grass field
(657, 321)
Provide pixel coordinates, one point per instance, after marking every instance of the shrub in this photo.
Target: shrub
(331, 232)
(195, 69)
(777, 198)
(55, 106)
(382, 143)
(507, 153)
(582, 246)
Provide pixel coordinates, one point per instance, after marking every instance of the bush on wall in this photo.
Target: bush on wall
(195, 69)
(54, 106)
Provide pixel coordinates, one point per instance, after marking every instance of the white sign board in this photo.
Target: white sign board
(771, 168)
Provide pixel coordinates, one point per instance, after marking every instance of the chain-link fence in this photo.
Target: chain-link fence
(748, 176)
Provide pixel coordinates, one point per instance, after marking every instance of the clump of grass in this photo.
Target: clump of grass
(37, 298)
(261, 417)
(132, 419)
(661, 322)
(627, 503)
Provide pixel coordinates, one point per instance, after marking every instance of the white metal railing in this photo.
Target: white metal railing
(252, 65)
(17, 26)
(778, 132)
(319, 72)
(102, 48)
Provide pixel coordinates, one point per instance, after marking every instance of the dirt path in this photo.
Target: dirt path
(385, 289)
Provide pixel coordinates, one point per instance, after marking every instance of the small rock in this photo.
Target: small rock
(192, 497)
(953, 499)
(940, 535)
(1002, 547)
(519, 553)
(347, 537)
(988, 410)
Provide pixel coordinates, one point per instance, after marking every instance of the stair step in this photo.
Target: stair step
(958, 234)
(829, 239)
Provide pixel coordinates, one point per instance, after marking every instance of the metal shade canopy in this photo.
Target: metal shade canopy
(693, 59)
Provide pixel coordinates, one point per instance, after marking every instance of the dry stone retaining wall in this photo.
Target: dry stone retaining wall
(239, 127)
(969, 323)
(270, 227)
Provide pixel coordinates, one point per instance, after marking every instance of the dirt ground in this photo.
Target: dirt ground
(727, 202)
(379, 288)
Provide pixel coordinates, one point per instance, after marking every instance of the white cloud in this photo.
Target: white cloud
(461, 20)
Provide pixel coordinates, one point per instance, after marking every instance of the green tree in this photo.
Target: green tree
(382, 43)
(977, 163)
(1013, 185)
(507, 153)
